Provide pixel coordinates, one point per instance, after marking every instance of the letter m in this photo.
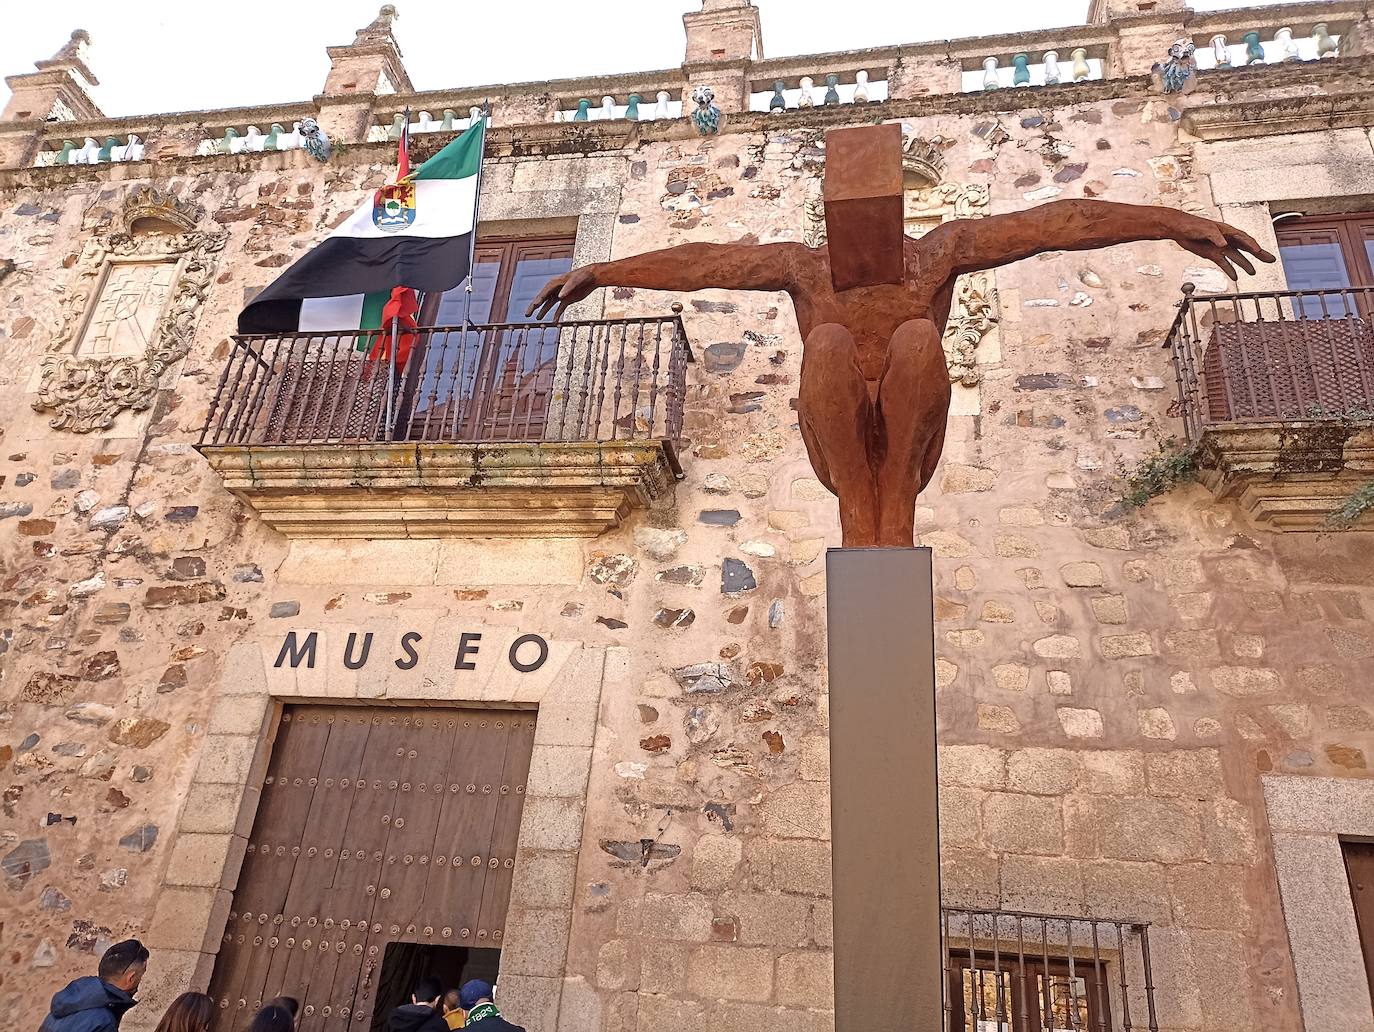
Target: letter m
(293, 652)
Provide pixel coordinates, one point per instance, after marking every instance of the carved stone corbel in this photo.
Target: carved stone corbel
(87, 393)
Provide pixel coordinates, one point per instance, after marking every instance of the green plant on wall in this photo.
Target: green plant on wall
(1171, 465)
(1360, 502)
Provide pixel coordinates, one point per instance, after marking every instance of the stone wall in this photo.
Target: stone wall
(1112, 684)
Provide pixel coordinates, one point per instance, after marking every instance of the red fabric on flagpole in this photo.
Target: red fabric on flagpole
(403, 310)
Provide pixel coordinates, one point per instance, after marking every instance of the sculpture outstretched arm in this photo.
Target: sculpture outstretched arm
(1080, 225)
(686, 267)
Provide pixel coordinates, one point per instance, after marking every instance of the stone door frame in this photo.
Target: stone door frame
(1308, 816)
(217, 815)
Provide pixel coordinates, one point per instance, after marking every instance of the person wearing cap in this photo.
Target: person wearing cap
(476, 999)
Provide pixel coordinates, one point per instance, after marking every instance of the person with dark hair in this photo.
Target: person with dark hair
(289, 1003)
(272, 1018)
(421, 1014)
(189, 1012)
(97, 1003)
(476, 997)
(452, 1009)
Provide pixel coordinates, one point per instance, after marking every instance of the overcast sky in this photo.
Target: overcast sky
(156, 57)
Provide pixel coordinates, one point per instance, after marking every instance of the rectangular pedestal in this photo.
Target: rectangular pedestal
(885, 850)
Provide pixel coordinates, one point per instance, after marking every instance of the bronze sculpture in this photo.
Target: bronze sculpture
(871, 305)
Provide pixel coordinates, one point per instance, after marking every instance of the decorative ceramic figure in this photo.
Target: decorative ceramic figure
(832, 88)
(1176, 74)
(661, 107)
(475, 115)
(632, 107)
(67, 156)
(89, 153)
(705, 116)
(450, 116)
(807, 98)
(607, 107)
(315, 140)
(583, 111)
(253, 140)
(398, 126)
(1254, 50)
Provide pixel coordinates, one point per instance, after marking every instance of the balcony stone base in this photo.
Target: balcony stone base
(434, 490)
(1289, 476)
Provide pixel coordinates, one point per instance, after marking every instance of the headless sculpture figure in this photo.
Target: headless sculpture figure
(874, 393)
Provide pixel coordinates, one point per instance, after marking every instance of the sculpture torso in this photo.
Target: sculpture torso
(871, 314)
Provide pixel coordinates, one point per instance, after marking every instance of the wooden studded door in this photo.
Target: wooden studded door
(375, 825)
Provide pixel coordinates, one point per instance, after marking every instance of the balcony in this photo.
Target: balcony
(1015, 972)
(502, 430)
(1276, 390)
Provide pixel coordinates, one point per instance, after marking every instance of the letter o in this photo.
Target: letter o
(543, 656)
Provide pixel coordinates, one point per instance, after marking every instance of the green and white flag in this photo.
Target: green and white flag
(416, 233)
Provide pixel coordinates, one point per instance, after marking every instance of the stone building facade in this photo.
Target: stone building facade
(1154, 716)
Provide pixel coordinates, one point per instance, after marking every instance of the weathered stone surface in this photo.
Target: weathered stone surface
(183, 595)
(137, 732)
(706, 678)
(140, 840)
(660, 544)
(24, 862)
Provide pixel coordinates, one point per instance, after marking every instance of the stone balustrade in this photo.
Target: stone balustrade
(856, 86)
(425, 122)
(252, 139)
(1274, 34)
(636, 108)
(1292, 42)
(1031, 68)
(91, 152)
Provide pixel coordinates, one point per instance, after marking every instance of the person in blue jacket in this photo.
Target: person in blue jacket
(99, 1003)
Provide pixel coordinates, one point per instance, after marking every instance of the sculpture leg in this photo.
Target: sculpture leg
(836, 418)
(913, 407)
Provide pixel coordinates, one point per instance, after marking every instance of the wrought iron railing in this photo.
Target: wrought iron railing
(1007, 971)
(589, 380)
(1277, 356)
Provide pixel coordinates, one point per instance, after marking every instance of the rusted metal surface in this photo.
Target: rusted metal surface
(1291, 355)
(885, 848)
(375, 826)
(593, 380)
(1019, 972)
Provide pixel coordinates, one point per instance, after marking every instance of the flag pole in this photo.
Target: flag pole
(484, 114)
(395, 323)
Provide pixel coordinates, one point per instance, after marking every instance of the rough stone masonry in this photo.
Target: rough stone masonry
(1113, 685)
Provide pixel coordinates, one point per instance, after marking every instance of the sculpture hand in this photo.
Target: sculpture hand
(1218, 243)
(562, 291)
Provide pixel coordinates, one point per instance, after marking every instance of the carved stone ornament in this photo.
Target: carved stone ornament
(971, 316)
(923, 161)
(87, 393)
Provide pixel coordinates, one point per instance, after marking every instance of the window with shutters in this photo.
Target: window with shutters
(495, 371)
(1331, 255)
